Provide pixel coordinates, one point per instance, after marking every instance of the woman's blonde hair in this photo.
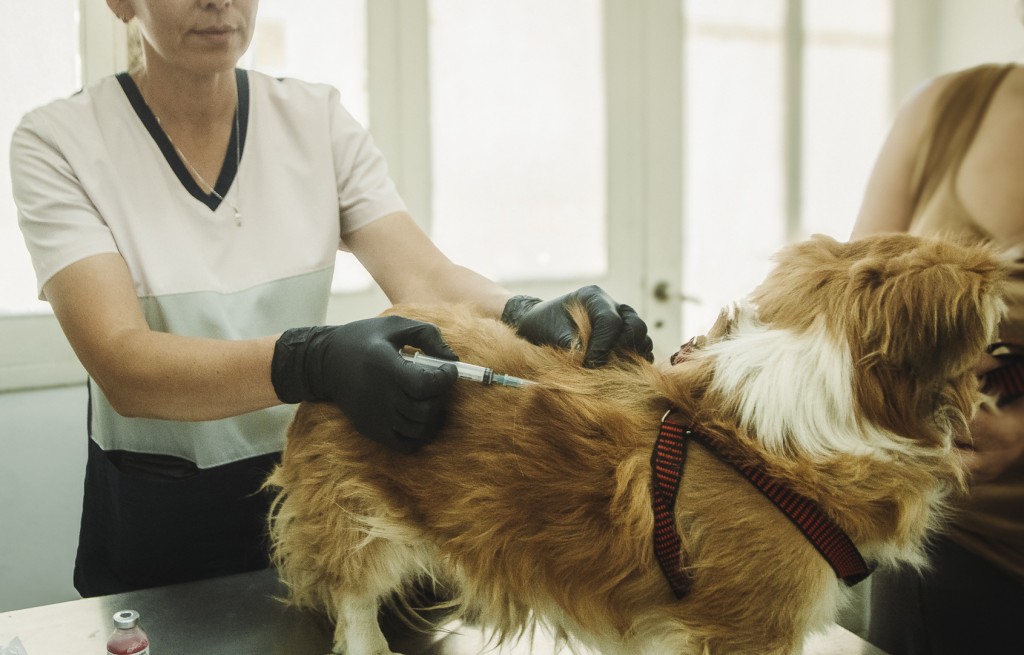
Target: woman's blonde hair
(135, 55)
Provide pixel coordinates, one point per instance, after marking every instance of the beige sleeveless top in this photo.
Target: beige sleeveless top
(990, 522)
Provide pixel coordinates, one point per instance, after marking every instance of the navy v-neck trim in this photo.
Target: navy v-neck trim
(233, 156)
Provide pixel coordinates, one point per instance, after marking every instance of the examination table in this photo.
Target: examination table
(241, 614)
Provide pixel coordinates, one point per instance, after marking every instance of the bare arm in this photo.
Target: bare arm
(886, 206)
(154, 374)
(997, 433)
(410, 268)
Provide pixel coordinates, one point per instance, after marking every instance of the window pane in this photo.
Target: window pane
(315, 40)
(318, 41)
(47, 31)
(518, 136)
(734, 151)
(735, 15)
(846, 108)
(865, 17)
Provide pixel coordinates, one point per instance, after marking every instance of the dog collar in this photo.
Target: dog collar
(667, 462)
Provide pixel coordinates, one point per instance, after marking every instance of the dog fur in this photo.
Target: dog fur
(846, 375)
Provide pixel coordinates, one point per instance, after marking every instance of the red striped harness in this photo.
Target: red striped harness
(667, 462)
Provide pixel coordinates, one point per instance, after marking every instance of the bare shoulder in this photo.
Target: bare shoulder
(888, 203)
(921, 104)
(988, 183)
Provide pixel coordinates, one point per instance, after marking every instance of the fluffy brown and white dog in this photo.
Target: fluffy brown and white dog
(844, 379)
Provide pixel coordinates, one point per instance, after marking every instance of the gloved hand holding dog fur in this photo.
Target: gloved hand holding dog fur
(613, 325)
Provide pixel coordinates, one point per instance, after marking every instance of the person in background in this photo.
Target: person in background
(952, 166)
(183, 220)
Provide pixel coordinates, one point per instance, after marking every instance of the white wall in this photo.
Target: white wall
(970, 32)
(939, 36)
(42, 468)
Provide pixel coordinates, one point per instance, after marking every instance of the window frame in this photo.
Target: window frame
(34, 353)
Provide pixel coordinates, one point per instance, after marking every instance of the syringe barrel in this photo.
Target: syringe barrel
(480, 374)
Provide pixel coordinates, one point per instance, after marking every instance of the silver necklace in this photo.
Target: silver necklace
(195, 171)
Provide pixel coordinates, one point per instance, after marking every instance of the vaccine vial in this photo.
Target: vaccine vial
(128, 637)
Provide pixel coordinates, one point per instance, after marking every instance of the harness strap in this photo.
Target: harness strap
(667, 462)
(666, 472)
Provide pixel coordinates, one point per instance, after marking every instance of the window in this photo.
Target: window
(317, 41)
(787, 105)
(733, 150)
(846, 108)
(518, 136)
(50, 28)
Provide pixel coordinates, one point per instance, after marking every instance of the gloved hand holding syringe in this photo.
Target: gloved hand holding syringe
(472, 372)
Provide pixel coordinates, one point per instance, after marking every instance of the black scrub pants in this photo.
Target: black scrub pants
(962, 606)
(164, 521)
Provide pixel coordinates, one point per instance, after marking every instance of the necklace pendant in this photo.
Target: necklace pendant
(238, 218)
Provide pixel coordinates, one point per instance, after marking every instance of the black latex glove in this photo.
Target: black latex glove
(359, 368)
(612, 325)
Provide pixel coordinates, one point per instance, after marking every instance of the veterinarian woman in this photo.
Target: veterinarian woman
(181, 217)
(952, 166)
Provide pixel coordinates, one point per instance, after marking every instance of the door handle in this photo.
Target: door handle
(662, 292)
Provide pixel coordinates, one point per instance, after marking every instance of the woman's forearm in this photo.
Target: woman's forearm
(159, 375)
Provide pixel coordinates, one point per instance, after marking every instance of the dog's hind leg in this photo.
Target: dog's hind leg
(358, 631)
(376, 571)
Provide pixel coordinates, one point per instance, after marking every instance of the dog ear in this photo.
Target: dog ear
(931, 309)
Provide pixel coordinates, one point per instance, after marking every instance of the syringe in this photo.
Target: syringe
(480, 374)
